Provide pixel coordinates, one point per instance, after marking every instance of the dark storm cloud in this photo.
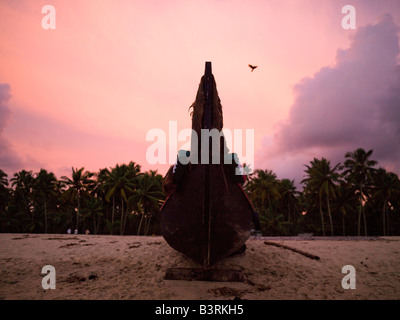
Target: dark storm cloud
(354, 104)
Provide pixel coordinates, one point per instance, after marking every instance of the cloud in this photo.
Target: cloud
(4, 111)
(355, 103)
(9, 159)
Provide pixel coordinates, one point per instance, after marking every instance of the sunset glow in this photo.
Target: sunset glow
(86, 93)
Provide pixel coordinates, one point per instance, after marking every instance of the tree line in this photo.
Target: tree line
(350, 199)
(120, 200)
(353, 198)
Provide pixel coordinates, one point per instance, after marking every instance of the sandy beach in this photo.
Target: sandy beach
(129, 267)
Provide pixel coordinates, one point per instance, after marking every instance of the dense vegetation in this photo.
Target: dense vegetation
(353, 198)
(120, 200)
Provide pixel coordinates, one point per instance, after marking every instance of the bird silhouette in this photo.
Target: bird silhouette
(252, 67)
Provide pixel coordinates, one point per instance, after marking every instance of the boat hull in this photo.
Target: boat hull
(207, 223)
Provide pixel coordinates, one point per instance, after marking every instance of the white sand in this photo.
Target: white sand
(131, 267)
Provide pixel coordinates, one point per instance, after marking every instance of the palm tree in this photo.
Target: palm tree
(288, 195)
(93, 209)
(262, 187)
(147, 196)
(386, 185)
(4, 199)
(44, 188)
(3, 179)
(77, 187)
(274, 224)
(322, 180)
(344, 202)
(134, 170)
(358, 169)
(121, 180)
(101, 189)
(22, 182)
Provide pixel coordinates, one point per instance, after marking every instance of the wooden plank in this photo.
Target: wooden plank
(199, 274)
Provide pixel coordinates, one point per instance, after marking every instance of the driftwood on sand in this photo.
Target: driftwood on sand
(308, 255)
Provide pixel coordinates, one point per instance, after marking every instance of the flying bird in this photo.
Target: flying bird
(252, 67)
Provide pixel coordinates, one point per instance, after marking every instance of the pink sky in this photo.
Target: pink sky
(86, 94)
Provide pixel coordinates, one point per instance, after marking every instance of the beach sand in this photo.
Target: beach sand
(129, 267)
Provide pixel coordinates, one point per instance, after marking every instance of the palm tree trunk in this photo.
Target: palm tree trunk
(329, 213)
(125, 218)
(363, 214)
(322, 217)
(77, 213)
(122, 215)
(98, 226)
(359, 214)
(343, 225)
(365, 222)
(140, 224)
(387, 221)
(146, 222)
(148, 225)
(383, 217)
(45, 217)
(96, 229)
(112, 215)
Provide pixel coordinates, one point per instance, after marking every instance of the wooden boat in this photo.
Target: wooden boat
(208, 215)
